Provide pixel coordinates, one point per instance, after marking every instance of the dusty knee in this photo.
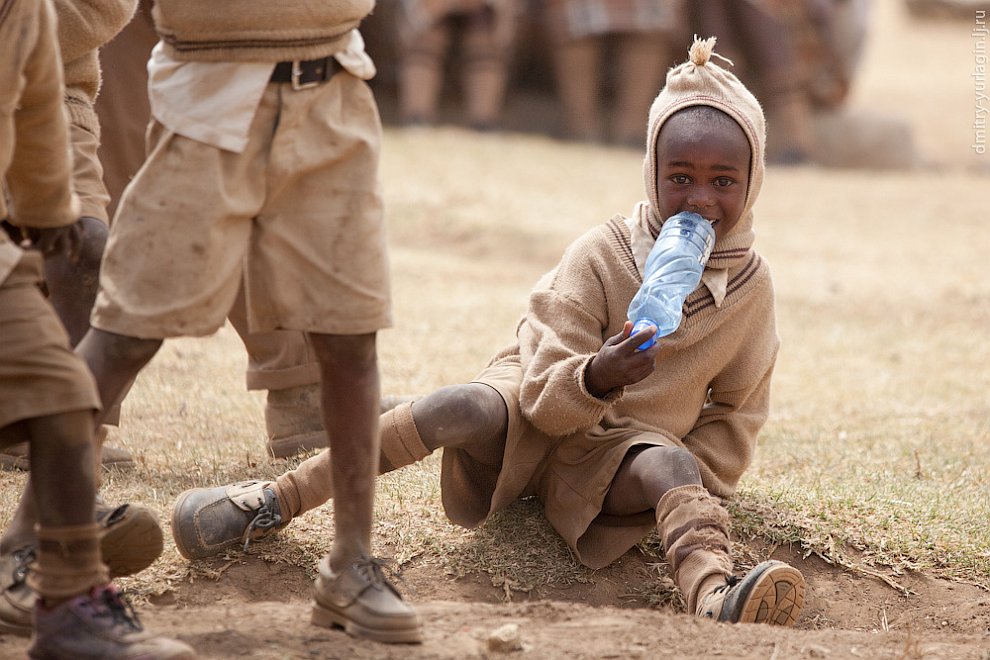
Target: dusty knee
(668, 468)
(459, 414)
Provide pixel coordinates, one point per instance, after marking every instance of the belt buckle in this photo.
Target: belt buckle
(297, 73)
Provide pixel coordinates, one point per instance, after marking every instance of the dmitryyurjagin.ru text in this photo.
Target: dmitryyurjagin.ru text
(982, 100)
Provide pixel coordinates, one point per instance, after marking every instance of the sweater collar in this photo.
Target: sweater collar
(644, 227)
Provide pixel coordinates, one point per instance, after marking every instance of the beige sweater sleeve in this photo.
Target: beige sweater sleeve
(39, 178)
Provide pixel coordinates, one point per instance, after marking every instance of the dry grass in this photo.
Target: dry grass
(877, 454)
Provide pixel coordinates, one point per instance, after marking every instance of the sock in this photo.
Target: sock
(694, 528)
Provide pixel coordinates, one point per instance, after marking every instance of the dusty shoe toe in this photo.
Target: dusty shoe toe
(773, 592)
(132, 538)
(208, 521)
(16, 598)
(364, 603)
(99, 624)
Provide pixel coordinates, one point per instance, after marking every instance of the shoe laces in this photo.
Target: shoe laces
(269, 517)
(23, 557)
(730, 582)
(118, 608)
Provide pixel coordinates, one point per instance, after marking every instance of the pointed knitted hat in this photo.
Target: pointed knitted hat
(699, 81)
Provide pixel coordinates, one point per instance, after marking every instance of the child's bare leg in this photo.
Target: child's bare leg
(206, 521)
(577, 65)
(351, 394)
(72, 286)
(115, 361)
(646, 474)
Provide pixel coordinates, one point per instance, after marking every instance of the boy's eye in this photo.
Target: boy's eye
(723, 182)
(680, 178)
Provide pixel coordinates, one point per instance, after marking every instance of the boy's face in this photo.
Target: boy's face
(703, 167)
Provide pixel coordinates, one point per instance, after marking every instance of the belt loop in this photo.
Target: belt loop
(297, 74)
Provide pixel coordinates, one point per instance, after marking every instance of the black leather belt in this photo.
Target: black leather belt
(307, 73)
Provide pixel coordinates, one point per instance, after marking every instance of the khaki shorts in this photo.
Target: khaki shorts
(298, 215)
(39, 373)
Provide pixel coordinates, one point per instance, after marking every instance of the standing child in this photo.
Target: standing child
(47, 398)
(262, 169)
(614, 441)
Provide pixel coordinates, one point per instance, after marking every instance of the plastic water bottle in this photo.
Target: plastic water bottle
(673, 270)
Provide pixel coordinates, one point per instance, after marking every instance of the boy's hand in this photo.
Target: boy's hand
(619, 363)
(51, 241)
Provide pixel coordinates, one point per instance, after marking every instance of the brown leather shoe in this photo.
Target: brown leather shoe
(16, 597)
(208, 521)
(365, 604)
(15, 457)
(99, 624)
(132, 539)
(773, 592)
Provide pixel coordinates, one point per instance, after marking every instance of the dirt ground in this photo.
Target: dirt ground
(256, 609)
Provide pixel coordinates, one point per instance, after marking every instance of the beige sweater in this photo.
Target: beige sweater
(34, 143)
(710, 391)
(83, 27)
(256, 30)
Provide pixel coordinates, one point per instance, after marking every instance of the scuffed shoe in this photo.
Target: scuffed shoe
(773, 592)
(207, 521)
(365, 604)
(15, 457)
(16, 598)
(99, 625)
(132, 538)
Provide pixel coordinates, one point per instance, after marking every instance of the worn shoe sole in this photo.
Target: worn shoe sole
(327, 617)
(133, 540)
(775, 595)
(113, 459)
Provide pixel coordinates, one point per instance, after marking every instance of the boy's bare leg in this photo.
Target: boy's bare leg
(351, 393)
(472, 417)
(72, 286)
(115, 360)
(643, 62)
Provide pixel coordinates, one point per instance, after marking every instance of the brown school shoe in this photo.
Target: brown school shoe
(131, 542)
(773, 592)
(99, 624)
(15, 457)
(132, 539)
(364, 603)
(208, 521)
(16, 598)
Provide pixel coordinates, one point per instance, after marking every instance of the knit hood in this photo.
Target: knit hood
(699, 81)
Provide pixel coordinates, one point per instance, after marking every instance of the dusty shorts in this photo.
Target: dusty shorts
(39, 374)
(298, 215)
(570, 475)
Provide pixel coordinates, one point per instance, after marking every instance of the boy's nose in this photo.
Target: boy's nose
(700, 199)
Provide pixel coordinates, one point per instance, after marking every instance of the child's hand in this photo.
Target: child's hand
(619, 363)
(52, 241)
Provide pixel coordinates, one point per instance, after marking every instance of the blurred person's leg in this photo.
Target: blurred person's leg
(283, 362)
(421, 67)
(644, 58)
(122, 105)
(486, 44)
(577, 67)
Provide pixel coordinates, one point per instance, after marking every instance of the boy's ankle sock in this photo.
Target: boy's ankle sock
(694, 528)
(68, 562)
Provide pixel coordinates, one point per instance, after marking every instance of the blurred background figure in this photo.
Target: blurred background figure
(638, 36)
(480, 32)
(800, 58)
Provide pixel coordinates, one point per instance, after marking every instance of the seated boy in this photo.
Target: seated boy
(262, 169)
(614, 441)
(47, 398)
